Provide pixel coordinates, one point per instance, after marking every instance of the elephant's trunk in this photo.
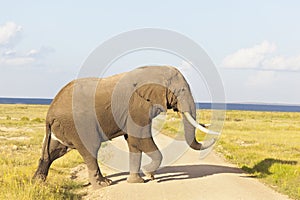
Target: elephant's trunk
(188, 108)
(192, 140)
(186, 105)
(189, 133)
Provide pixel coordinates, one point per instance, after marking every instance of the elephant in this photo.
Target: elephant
(89, 111)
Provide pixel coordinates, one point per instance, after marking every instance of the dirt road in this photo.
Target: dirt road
(189, 178)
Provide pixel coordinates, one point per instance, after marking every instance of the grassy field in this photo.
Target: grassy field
(21, 135)
(265, 144)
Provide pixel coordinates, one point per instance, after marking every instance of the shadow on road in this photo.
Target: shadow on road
(174, 173)
(264, 166)
(193, 171)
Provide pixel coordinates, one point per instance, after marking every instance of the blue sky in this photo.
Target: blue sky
(254, 44)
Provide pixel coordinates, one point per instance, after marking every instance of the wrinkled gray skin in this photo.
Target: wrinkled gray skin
(89, 111)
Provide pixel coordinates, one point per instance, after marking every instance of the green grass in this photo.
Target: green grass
(21, 133)
(265, 144)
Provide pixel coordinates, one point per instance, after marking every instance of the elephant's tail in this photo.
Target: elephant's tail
(44, 161)
(46, 142)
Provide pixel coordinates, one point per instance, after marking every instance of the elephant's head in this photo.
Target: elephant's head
(180, 99)
(143, 93)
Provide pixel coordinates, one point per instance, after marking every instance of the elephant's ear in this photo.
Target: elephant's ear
(147, 102)
(172, 100)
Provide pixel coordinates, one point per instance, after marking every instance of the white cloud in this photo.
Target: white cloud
(249, 57)
(261, 57)
(39, 53)
(9, 56)
(282, 63)
(9, 31)
(13, 58)
(16, 61)
(32, 52)
(9, 53)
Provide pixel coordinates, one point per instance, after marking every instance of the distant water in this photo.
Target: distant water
(229, 106)
(250, 107)
(25, 101)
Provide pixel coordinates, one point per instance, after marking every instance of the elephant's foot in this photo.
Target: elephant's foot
(42, 171)
(39, 177)
(101, 182)
(135, 178)
(149, 175)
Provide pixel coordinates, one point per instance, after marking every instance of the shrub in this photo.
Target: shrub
(37, 120)
(25, 119)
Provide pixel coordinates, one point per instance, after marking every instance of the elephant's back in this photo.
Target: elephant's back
(87, 97)
(62, 104)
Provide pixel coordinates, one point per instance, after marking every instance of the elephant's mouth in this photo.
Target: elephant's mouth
(198, 126)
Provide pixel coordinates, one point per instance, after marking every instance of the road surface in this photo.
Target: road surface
(189, 178)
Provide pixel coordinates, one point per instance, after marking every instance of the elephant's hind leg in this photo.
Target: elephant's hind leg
(53, 149)
(95, 176)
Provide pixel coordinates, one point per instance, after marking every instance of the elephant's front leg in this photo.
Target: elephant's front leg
(135, 156)
(150, 169)
(136, 147)
(149, 147)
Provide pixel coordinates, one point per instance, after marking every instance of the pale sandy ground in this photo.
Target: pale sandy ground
(187, 178)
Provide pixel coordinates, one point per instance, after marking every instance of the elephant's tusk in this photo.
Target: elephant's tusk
(198, 126)
(205, 125)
